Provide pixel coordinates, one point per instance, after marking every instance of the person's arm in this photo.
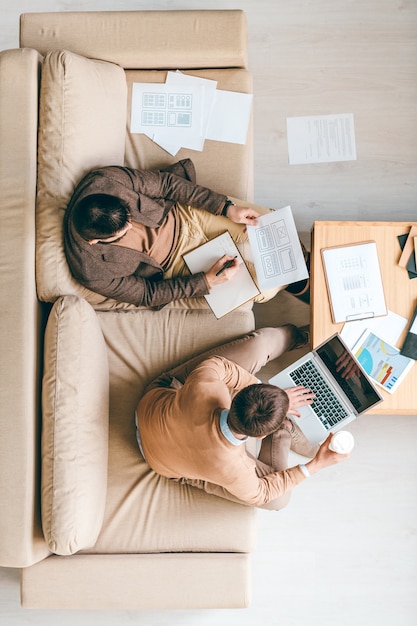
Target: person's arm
(147, 292)
(246, 486)
(325, 457)
(166, 186)
(240, 214)
(152, 292)
(239, 481)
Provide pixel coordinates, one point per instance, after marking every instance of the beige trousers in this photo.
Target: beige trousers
(197, 227)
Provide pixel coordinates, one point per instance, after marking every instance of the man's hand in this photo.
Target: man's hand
(214, 278)
(298, 396)
(242, 215)
(325, 457)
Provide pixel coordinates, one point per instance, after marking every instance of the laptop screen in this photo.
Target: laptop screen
(346, 371)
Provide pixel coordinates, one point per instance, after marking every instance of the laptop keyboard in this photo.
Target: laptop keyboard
(326, 405)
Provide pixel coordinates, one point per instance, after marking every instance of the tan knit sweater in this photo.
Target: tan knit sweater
(181, 436)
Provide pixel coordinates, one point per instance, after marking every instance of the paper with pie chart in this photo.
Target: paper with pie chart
(381, 361)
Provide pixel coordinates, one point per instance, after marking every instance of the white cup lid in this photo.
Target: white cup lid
(342, 442)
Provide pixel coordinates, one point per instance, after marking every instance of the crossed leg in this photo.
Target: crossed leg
(252, 351)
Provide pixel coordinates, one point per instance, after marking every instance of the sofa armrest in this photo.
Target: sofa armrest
(143, 39)
(21, 540)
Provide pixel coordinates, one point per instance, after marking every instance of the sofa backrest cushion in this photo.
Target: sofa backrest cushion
(143, 39)
(82, 125)
(75, 407)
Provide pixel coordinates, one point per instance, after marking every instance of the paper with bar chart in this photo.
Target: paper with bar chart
(382, 361)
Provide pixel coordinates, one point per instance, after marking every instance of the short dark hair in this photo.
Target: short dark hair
(258, 410)
(100, 216)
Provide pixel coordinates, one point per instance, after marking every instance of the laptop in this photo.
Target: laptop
(339, 398)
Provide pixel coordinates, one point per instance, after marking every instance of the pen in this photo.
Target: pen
(226, 265)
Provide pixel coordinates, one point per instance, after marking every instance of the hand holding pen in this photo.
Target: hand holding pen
(226, 265)
(222, 271)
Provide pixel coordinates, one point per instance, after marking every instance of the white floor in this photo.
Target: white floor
(344, 552)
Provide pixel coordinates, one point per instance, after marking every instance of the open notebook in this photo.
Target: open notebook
(227, 296)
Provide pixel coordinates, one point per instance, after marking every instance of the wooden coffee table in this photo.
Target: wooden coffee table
(400, 292)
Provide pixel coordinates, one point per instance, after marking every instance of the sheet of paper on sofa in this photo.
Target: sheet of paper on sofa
(180, 81)
(172, 116)
(186, 110)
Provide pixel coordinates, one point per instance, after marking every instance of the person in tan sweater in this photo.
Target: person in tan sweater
(193, 423)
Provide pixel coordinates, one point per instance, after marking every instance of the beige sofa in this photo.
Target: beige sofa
(83, 517)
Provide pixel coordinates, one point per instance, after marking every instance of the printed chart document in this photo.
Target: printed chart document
(321, 139)
(209, 91)
(276, 250)
(227, 296)
(382, 361)
(354, 282)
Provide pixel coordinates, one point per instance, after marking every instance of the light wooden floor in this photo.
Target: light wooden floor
(344, 552)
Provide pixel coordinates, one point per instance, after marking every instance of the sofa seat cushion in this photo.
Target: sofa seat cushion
(146, 512)
(75, 411)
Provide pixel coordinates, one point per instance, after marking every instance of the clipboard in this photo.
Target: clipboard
(227, 296)
(353, 281)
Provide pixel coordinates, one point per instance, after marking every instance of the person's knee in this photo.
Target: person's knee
(278, 504)
(276, 340)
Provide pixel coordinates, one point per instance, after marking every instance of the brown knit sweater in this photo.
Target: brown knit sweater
(123, 273)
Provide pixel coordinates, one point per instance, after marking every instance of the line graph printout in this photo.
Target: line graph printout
(276, 250)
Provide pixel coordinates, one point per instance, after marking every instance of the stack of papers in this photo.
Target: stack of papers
(186, 110)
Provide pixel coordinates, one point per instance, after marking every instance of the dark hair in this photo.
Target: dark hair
(258, 410)
(100, 216)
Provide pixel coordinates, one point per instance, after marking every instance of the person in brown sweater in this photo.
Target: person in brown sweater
(126, 230)
(193, 423)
